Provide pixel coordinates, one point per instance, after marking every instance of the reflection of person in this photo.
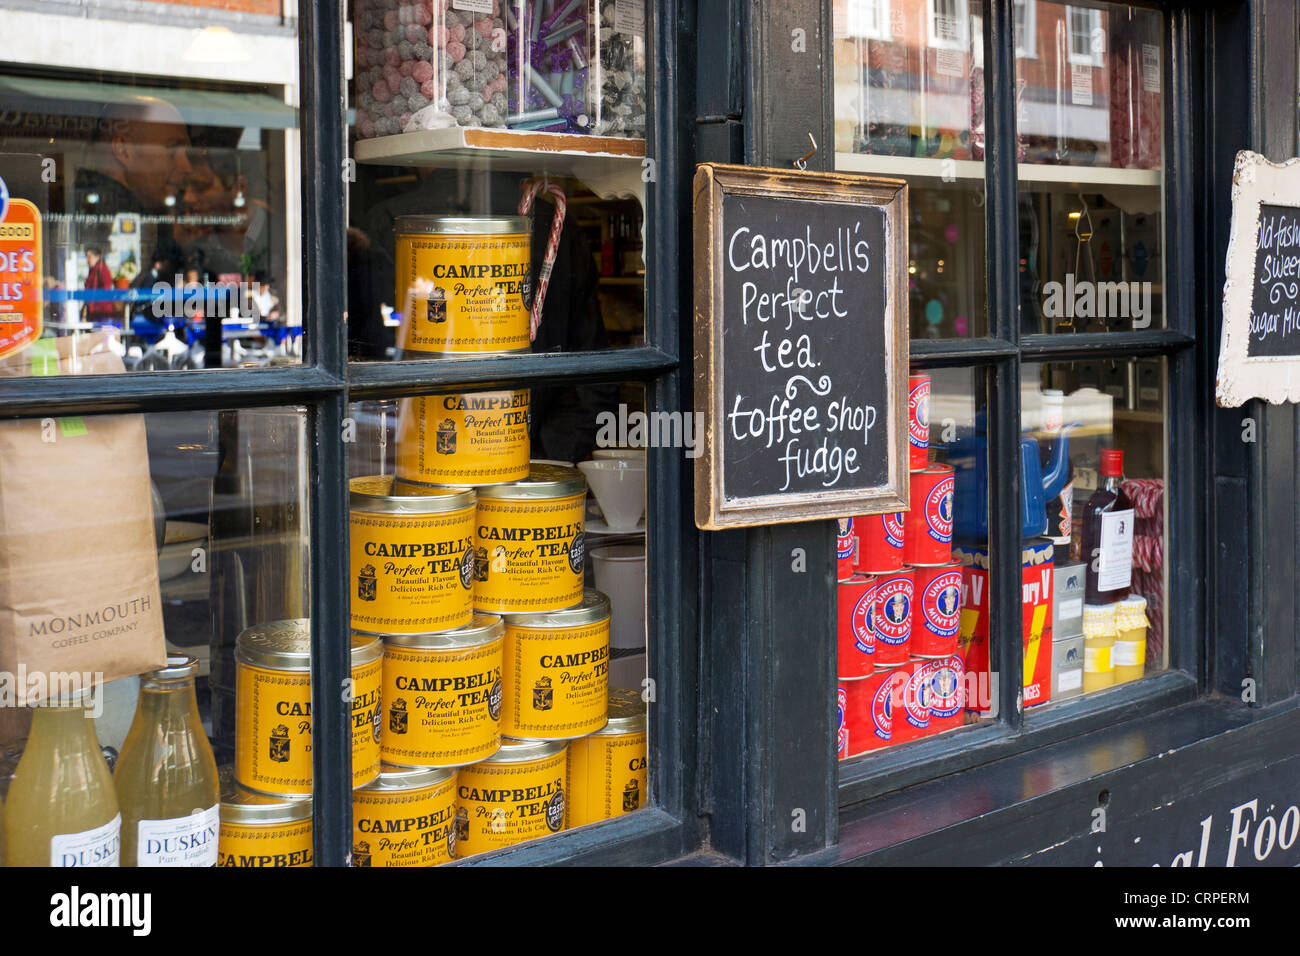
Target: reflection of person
(137, 165)
(98, 279)
(147, 163)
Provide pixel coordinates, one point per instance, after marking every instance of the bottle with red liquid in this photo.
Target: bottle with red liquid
(1108, 535)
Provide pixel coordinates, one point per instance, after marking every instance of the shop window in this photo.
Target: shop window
(538, 238)
(905, 106)
(168, 217)
(208, 574)
(1088, 439)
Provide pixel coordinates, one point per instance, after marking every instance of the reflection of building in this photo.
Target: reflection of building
(172, 134)
(1089, 81)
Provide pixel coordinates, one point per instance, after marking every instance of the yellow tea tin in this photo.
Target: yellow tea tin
(261, 831)
(405, 818)
(464, 284)
(556, 671)
(273, 708)
(517, 794)
(477, 438)
(529, 543)
(607, 769)
(442, 692)
(412, 557)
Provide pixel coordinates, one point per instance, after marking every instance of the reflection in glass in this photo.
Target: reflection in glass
(165, 216)
(1091, 188)
(909, 101)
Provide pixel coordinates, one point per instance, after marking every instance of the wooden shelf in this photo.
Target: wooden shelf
(969, 169)
(622, 280)
(503, 149)
(1140, 415)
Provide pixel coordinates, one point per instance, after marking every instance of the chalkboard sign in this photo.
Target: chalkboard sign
(1259, 350)
(801, 345)
(1275, 300)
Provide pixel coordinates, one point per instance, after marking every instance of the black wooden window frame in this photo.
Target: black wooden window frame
(997, 360)
(325, 384)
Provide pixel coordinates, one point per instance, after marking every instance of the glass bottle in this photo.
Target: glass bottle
(62, 809)
(166, 776)
(1108, 535)
(1059, 508)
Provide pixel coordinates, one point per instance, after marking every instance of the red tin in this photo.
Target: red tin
(880, 542)
(891, 615)
(911, 717)
(944, 682)
(845, 547)
(881, 694)
(918, 419)
(842, 733)
(855, 720)
(857, 635)
(937, 610)
(927, 535)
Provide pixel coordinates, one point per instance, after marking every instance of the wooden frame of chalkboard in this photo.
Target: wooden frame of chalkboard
(1259, 348)
(800, 294)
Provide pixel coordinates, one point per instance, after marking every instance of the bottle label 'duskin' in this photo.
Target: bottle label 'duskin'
(509, 803)
(404, 828)
(557, 681)
(414, 573)
(182, 841)
(101, 846)
(471, 439)
(444, 706)
(530, 554)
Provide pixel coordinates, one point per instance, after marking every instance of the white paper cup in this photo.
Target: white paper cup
(619, 487)
(620, 573)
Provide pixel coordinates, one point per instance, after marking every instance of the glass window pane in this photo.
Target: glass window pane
(204, 546)
(909, 102)
(501, 181)
(543, 537)
(912, 597)
(1090, 126)
(1097, 430)
(168, 204)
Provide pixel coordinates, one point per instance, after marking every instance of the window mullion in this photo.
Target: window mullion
(324, 293)
(1003, 393)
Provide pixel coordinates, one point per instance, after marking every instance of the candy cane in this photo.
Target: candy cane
(532, 189)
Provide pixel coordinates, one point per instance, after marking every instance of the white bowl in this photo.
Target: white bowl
(631, 454)
(619, 487)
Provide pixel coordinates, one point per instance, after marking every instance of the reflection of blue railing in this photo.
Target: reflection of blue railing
(216, 302)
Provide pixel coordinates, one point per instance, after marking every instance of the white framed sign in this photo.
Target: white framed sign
(1259, 350)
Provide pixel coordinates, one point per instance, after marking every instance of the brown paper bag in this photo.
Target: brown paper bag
(78, 564)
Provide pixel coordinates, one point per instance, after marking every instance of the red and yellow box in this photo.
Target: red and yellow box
(1036, 620)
